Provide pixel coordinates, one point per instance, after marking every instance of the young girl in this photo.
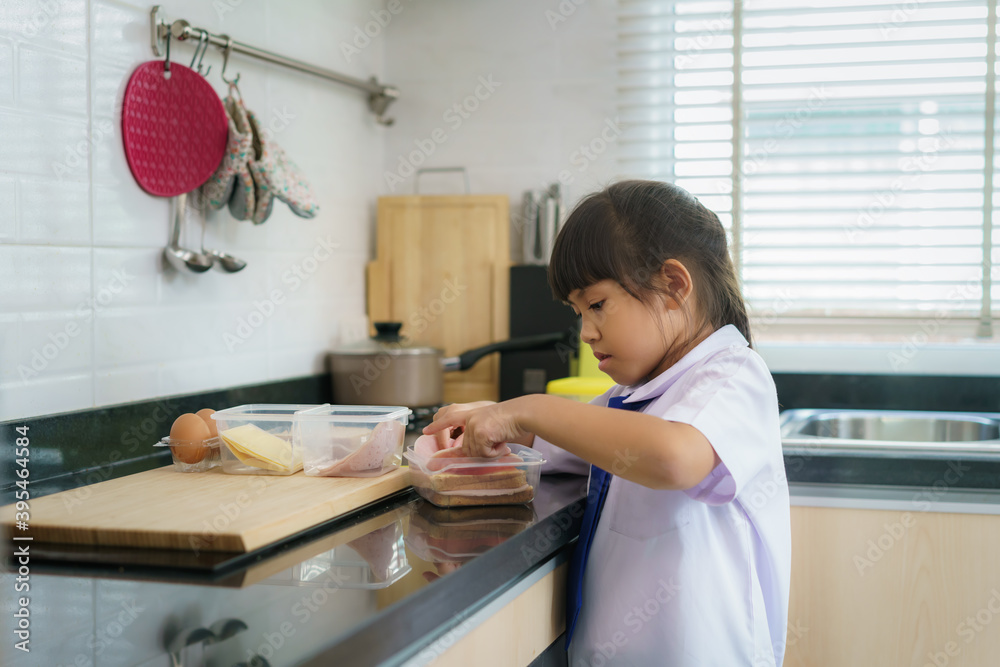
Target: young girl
(684, 553)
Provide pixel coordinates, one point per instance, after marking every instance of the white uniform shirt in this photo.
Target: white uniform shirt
(697, 577)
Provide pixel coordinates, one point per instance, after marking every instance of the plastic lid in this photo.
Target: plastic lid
(580, 386)
(355, 413)
(263, 412)
(529, 457)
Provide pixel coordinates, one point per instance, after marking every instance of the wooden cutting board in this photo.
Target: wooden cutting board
(442, 268)
(209, 511)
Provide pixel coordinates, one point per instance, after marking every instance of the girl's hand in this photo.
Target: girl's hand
(487, 427)
(447, 438)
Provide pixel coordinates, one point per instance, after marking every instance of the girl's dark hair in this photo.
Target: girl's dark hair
(627, 231)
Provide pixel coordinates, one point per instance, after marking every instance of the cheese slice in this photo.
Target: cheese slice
(256, 447)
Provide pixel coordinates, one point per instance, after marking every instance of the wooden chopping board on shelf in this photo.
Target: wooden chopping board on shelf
(208, 511)
(442, 268)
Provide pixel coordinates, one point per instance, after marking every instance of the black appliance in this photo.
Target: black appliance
(534, 311)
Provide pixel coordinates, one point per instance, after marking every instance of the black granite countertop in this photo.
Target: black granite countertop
(374, 588)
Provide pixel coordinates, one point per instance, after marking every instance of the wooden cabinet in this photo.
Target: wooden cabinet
(441, 268)
(874, 587)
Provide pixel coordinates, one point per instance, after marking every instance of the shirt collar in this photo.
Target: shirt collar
(725, 338)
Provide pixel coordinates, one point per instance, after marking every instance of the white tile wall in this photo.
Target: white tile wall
(556, 92)
(80, 242)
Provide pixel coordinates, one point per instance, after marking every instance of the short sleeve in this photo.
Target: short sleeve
(558, 460)
(732, 401)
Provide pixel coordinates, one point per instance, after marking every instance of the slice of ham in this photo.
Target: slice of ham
(427, 447)
(372, 456)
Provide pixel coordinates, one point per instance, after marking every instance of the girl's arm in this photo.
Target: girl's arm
(641, 448)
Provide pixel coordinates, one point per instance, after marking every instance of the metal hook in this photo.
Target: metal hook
(166, 63)
(199, 51)
(197, 48)
(225, 61)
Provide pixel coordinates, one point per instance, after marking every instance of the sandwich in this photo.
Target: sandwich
(448, 489)
(447, 479)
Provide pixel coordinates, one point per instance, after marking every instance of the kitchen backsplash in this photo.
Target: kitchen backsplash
(89, 315)
(521, 93)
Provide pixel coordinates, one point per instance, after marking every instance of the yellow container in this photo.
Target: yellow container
(579, 388)
(588, 364)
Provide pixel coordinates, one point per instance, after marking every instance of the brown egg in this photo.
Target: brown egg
(206, 414)
(190, 429)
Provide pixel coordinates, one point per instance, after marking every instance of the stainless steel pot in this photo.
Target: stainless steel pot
(389, 369)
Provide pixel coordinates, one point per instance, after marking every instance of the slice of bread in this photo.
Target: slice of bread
(455, 490)
(523, 495)
(505, 479)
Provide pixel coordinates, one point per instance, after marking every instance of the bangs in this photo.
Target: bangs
(590, 247)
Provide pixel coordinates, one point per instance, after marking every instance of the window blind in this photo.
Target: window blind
(843, 143)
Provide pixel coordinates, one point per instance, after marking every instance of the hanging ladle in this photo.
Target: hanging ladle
(182, 258)
(223, 261)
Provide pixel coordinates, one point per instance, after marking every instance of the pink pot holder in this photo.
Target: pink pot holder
(276, 176)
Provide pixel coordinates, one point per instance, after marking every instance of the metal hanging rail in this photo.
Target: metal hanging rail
(379, 96)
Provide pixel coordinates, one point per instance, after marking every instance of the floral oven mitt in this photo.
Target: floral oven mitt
(275, 175)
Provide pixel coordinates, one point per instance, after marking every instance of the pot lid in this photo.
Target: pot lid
(387, 341)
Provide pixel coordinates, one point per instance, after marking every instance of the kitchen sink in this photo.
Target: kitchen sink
(970, 435)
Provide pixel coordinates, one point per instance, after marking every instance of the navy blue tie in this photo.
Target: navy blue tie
(600, 481)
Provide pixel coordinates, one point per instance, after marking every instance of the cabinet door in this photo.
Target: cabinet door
(876, 587)
(441, 269)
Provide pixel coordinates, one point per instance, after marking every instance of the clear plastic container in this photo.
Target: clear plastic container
(193, 456)
(260, 439)
(459, 482)
(352, 440)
